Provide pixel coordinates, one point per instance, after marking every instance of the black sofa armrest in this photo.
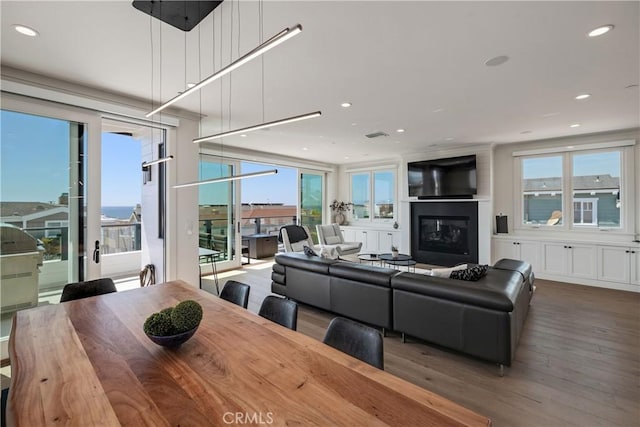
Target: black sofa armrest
(497, 290)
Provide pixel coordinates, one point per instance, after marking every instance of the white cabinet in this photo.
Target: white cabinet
(569, 259)
(523, 250)
(373, 241)
(619, 264)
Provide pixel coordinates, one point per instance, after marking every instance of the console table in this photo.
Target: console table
(88, 362)
(262, 245)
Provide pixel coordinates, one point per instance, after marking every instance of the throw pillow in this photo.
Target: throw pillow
(445, 272)
(309, 252)
(471, 274)
(332, 240)
(329, 253)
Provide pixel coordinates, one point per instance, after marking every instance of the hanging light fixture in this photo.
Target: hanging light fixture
(228, 178)
(258, 127)
(274, 41)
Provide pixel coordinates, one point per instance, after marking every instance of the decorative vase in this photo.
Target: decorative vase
(339, 218)
(394, 254)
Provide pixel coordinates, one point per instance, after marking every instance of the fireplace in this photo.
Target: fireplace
(444, 233)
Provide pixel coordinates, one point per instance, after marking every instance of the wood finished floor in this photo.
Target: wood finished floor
(578, 361)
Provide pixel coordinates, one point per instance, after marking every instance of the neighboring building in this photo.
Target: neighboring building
(596, 200)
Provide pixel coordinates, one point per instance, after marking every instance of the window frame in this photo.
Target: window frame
(393, 170)
(627, 187)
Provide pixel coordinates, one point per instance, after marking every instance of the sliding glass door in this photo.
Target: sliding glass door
(311, 187)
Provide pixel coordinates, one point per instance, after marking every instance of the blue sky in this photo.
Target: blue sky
(583, 164)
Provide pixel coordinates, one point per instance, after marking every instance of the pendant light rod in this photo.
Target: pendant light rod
(274, 41)
(258, 127)
(155, 162)
(228, 178)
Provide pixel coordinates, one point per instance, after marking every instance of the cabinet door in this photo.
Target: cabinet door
(349, 235)
(504, 249)
(385, 240)
(582, 262)
(530, 252)
(634, 257)
(614, 264)
(554, 258)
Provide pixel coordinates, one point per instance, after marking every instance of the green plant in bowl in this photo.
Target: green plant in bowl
(173, 326)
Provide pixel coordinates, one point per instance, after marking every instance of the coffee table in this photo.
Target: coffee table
(398, 261)
(369, 257)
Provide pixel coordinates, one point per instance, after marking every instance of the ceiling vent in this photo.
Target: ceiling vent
(376, 134)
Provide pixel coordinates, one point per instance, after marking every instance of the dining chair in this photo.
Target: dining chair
(90, 288)
(357, 340)
(281, 311)
(236, 292)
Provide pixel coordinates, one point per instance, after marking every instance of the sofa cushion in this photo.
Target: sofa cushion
(303, 262)
(332, 240)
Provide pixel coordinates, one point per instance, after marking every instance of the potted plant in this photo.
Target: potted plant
(173, 326)
(394, 251)
(339, 207)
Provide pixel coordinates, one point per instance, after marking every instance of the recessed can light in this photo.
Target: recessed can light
(600, 30)
(583, 96)
(346, 157)
(345, 105)
(304, 148)
(243, 135)
(190, 85)
(498, 60)
(575, 125)
(27, 31)
(400, 130)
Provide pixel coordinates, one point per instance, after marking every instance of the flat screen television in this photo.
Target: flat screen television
(453, 177)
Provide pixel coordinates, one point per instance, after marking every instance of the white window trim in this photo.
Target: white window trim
(627, 184)
(371, 171)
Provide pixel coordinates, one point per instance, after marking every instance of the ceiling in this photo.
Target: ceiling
(418, 66)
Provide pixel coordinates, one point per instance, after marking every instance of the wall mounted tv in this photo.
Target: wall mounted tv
(453, 177)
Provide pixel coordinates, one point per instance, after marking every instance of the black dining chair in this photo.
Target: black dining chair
(90, 288)
(281, 311)
(236, 292)
(357, 340)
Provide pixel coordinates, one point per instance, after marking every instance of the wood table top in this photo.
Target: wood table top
(88, 362)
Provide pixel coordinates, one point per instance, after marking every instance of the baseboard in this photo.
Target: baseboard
(589, 282)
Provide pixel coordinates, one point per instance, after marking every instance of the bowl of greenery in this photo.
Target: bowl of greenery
(173, 326)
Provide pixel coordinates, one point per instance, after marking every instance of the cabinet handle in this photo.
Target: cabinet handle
(627, 252)
(565, 246)
(570, 247)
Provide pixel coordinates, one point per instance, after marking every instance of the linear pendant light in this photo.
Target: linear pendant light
(155, 162)
(274, 41)
(228, 178)
(260, 126)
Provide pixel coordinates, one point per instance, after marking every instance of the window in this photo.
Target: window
(588, 181)
(596, 188)
(379, 183)
(542, 190)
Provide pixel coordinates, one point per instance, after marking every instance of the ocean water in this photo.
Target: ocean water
(123, 212)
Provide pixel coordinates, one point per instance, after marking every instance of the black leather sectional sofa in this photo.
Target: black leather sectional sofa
(483, 318)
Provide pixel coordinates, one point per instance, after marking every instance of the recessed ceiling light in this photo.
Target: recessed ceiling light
(498, 60)
(190, 85)
(27, 31)
(570, 147)
(345, 105)
(575, 125)
(400, 130)
(304, 148)
(583, 96)
(243, 135)
(346, 157)
(600, 30)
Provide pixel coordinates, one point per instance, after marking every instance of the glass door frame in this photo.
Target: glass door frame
(92, 160)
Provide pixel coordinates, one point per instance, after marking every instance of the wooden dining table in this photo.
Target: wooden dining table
(88, 362)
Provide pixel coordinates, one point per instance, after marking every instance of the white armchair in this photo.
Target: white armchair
(293, 239)
(331, 235)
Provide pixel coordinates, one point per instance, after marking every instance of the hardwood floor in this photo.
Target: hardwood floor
(577, 363)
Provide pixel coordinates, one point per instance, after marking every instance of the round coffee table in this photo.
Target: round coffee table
(399, 260)
(369, 257)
